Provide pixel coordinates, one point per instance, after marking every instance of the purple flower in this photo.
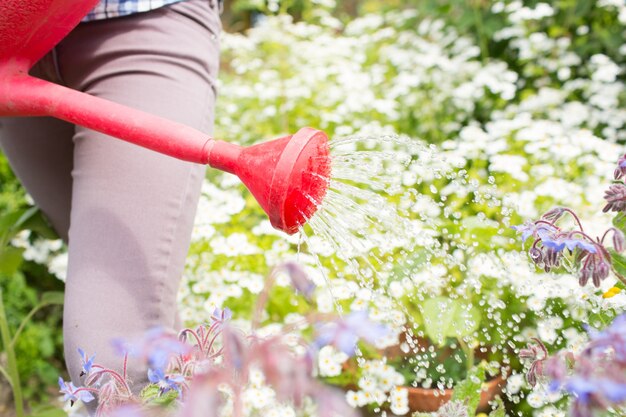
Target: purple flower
(571, 243)
(535, 229)
(596, 378)
(620, 171)
(595, 266)
(537, 353)
(345, 332)
(86, 362)
(235, 349)
(221, 316)
(300, 279)
(165, 382)
(594, 388)
(616, 198)
(74, 394)
(554, 214)
(612, 339)
(619, 241)
(156, 347)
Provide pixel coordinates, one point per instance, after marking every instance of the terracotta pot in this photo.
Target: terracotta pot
(429, 400)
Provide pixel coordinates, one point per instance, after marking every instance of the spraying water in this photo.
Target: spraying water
(376, 224)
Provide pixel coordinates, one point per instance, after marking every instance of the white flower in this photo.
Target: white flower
(535, 399)
(550, 412)
(234, 245)
(515, 383)
(58, 265)
(330, 360)
(511, 164)
(399, 399)
(356, 398)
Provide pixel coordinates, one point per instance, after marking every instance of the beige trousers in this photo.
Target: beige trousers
(126, 212)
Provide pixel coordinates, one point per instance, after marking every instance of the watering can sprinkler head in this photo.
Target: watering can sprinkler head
(288, 176)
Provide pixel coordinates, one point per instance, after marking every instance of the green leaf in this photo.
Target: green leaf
(52, 297)
(10, 260)
(48, 411)
(33, 219)
(468, 391)
(619, 262)
(150, 396)
(444, 317)
(499, 411)
(7, 222)
(619, 221)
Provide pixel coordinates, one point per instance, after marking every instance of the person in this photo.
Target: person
(125, 212)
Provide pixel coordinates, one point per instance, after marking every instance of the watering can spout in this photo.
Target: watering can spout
(288, 176)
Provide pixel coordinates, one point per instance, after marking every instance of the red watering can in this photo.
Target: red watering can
(288, 176)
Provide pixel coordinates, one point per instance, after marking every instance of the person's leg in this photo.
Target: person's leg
(39, 150)
(133, 209)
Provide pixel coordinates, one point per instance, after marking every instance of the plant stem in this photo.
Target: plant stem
(14, 376)
(469, 354)
(6, 375)
(25, 321)
(480, 28)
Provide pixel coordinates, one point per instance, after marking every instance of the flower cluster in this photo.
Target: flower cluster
(591, 258)
(379, 382)
(616, 194)
(595, 377)
(217, 367)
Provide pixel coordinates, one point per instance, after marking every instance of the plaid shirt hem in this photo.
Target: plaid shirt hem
(107, 9)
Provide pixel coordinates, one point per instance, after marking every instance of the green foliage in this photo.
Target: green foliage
(151, 395)
(35, 339)
(468, 391)
(11, 192)
(499, 411)
(445, 317)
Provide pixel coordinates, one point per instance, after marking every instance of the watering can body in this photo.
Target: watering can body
(288, 176)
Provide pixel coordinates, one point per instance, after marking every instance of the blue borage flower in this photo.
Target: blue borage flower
(536, 230)
(592, 259)
(87, 363)
(612, 338)
(596, 377)
(344, 333)
(157, 346)
(74, 394)
(165, 382)
(221, 316)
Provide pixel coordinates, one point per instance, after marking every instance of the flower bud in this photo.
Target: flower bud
(300, 279)
(536, 255)
(600, 272)
(618, 240)
(616, 198)
(620, 171)
(585, 273)
(554, 214)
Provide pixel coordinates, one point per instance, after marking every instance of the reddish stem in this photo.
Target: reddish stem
(125, 364)
(115, 375)
(580, 226)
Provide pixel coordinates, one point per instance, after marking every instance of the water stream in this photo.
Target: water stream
(361, 216)
(374, 224)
